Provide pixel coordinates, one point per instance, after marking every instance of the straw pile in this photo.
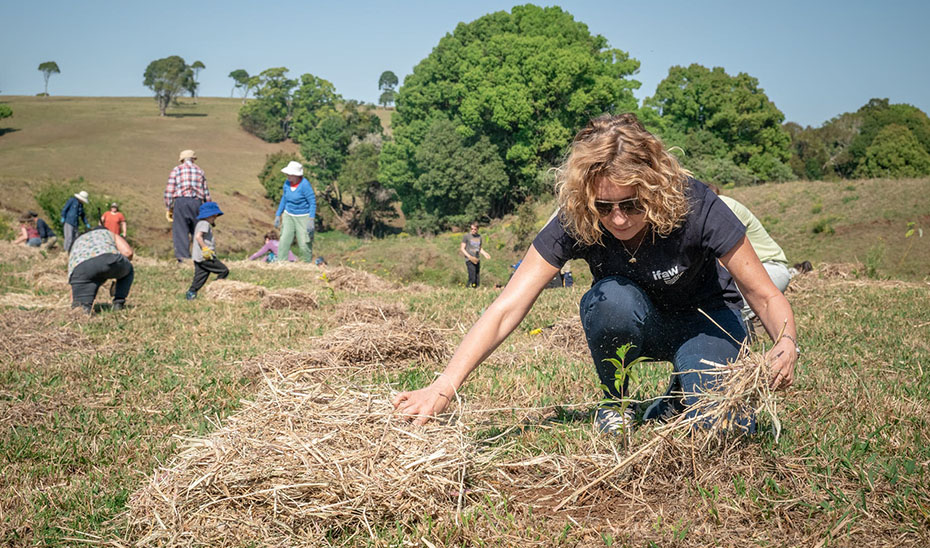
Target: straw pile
(302, 460)
(292, 299)
(567, 335)
(34, 337)
(388, 343)
(356, 281)
(368, 310)
(12, 253)
(233, 291)
(704, 442)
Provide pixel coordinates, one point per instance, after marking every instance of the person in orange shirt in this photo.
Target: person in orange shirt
(114, 220)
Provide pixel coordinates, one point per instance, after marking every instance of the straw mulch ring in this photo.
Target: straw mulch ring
(567, 335)
(355, 281)
(388, 343)
(34, 337)
(233, 291)
(302, 460)
(11, 253)
(367, 310)
(292, 299)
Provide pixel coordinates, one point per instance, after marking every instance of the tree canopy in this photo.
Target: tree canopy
(168, 78)
(47, 69)
(269, 115)
(521, 83)
(386, 84)
(713, 116)
(196, 66)
(894, 152)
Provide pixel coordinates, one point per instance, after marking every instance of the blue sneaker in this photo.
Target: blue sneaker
(191, 295)
(610, 420)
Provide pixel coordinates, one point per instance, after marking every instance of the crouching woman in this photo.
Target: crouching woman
(662, 249)
(97, 256)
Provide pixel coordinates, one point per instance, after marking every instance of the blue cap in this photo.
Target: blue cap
(209, 209)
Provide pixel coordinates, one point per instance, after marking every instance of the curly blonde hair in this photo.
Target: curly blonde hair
(619, 149)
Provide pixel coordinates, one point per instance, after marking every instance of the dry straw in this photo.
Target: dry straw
(233, 291)
(304, 459)
(356, 281)
(291, 299)
(369, 310)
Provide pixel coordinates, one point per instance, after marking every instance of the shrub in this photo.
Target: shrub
(259, 120)
(52, 197)
(894, 153)
(271, 178)
(721, 171)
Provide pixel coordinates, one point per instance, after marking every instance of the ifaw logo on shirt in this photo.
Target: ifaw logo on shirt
(669, 276)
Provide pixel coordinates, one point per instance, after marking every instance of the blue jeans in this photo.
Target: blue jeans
(615, 311)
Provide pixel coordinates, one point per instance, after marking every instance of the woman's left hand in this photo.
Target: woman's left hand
(783, 357)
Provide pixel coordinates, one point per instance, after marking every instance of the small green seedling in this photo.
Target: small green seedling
(624, 372)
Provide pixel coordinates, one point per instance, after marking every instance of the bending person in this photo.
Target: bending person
(270, 250)
(97, 256)
(652, 237)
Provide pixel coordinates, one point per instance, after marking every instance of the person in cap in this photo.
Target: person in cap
(204, 253)
(49, 239)
(97, 256)
(665, 255)
(114, 220)
(184, 194)
(296, 213)
(28, 234)
(71, 213)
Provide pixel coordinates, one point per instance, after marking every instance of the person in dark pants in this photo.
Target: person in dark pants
(97, 256)
(204, 253)
(186, 191)
(49, 239)
(471, 250)
(661, 248)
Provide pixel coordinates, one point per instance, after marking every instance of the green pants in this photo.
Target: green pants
(294, 226)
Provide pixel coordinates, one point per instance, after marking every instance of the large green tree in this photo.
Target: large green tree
(370, 203)
(168, 78)
(47, 69)
(712, 115)
(521, 82)
(874, 117)
(269, 115)
(894, 152)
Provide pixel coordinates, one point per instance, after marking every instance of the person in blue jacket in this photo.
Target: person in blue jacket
(296, 212)
(70, 215)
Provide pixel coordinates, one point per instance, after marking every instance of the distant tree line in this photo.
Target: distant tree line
(482, 119)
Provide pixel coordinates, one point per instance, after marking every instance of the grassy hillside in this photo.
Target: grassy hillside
(124, 149)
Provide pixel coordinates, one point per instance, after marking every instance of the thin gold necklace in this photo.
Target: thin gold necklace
(635, 251)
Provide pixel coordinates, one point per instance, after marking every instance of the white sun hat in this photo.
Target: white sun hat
(294, 168)
(82, 196)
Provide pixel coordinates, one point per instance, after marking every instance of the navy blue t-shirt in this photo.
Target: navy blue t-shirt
(45, 231)
(679, 271)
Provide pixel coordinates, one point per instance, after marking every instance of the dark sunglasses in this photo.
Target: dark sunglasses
(631, 206)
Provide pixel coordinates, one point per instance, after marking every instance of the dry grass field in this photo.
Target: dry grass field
(258, 414)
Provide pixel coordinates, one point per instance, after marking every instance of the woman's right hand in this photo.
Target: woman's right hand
(420, 406)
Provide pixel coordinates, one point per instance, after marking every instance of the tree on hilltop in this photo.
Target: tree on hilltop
(386, 84)
(715, 116)
(525, 81)
(244, 82)
(197, 66)
(168, 78)
(47, 69)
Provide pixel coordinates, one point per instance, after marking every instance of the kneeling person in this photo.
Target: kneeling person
(97, 256)
(204, 249)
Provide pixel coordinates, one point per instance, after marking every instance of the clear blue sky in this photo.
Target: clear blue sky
(814, 58)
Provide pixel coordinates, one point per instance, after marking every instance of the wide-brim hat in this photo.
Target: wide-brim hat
(185, 154)
(208, 209)
(294, 168)
(82, 196)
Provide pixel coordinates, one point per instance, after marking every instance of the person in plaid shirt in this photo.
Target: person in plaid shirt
(186, 190)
